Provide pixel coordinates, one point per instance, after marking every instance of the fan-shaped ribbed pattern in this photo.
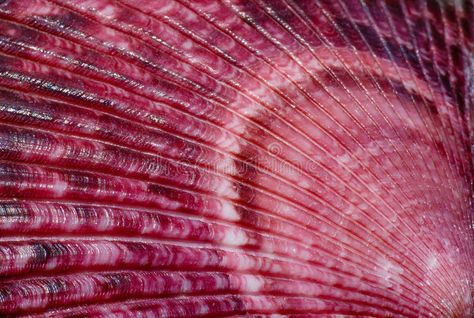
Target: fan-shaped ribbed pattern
(261, 158)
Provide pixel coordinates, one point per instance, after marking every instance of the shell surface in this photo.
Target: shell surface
(261, 158)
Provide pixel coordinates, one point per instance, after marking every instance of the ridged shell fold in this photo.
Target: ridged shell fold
(261, 158)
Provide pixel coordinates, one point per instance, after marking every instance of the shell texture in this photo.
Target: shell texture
(236, 158)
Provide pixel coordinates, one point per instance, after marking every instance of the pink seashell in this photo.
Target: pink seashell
(260, 158)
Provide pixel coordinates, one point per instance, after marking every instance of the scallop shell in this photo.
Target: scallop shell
(261, 158)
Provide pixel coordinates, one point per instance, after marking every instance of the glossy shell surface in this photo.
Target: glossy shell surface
(260, 158)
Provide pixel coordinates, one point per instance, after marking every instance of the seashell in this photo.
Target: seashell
(261, 158)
